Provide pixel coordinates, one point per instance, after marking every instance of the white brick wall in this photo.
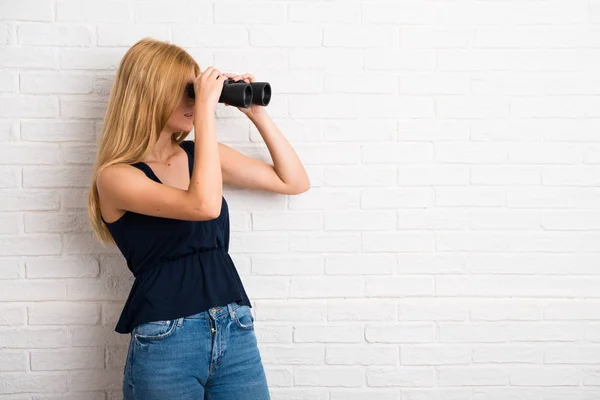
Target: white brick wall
(448, 249)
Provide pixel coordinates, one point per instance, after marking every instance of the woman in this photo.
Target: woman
(158, 197)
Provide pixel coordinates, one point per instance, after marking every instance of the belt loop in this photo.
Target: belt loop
(231, 312)
(179, 321)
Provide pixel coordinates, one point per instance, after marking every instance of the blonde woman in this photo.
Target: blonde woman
(158, 197)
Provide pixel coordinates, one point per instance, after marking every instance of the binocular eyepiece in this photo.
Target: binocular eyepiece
(240, 93)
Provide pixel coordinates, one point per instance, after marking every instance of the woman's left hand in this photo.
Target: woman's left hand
(254, 109)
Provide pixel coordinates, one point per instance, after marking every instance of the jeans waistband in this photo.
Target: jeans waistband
(214, 312)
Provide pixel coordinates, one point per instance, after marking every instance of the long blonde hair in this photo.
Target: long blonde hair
(148, 86)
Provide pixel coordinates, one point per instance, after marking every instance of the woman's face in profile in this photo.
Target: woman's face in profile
(182, 118)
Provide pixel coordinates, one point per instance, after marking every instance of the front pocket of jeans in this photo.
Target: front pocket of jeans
(243, 317)
(155, 330)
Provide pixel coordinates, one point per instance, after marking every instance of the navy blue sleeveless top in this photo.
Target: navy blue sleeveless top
(180, 267)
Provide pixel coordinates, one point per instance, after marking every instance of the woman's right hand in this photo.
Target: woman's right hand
(209, 85)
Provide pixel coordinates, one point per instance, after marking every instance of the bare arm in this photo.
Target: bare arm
(124, 187)
(206, 184)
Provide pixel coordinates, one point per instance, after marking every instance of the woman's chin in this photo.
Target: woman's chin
(187, 126)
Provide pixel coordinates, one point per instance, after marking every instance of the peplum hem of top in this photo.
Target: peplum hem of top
(158, 293)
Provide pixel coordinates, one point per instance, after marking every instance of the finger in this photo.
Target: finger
(213, 73)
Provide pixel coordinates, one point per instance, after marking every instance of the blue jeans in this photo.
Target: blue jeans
(212, 355)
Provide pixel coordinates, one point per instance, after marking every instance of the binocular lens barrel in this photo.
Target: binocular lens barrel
(240, 93)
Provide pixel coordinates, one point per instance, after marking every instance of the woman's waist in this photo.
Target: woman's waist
(186, 253)
(206, 256)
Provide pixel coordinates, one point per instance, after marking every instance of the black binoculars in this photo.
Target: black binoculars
(240, 93)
